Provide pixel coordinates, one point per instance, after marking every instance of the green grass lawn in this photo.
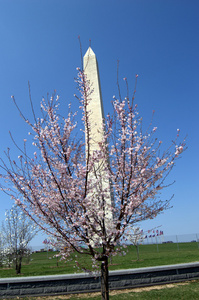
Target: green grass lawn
(44, 263)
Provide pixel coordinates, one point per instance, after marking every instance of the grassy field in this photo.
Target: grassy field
(183, 291)
(150, 255)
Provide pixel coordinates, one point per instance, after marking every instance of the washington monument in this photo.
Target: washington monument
(95, 107)
(95, 104)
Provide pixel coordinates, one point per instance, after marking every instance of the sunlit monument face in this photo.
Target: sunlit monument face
(96, 112)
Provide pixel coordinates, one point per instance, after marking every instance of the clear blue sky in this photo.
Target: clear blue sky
(157, 39)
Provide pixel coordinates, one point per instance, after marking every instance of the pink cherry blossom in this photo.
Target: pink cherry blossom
(62, 186)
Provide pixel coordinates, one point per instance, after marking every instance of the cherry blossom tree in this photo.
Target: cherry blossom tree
(60, 186)
(2, 252)
(135, 237)
(16, 233)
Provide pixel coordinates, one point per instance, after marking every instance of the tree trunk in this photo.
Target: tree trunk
(138, 255)
(18, 266)
(104, 280)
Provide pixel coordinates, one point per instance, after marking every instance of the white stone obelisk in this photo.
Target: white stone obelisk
(95, 104)
(96, 119)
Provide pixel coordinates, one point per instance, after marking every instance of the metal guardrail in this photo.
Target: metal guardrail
(82, 282)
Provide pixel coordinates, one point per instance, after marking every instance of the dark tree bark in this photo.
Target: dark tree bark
(18, 262)
(18, 267)
(104, 279)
